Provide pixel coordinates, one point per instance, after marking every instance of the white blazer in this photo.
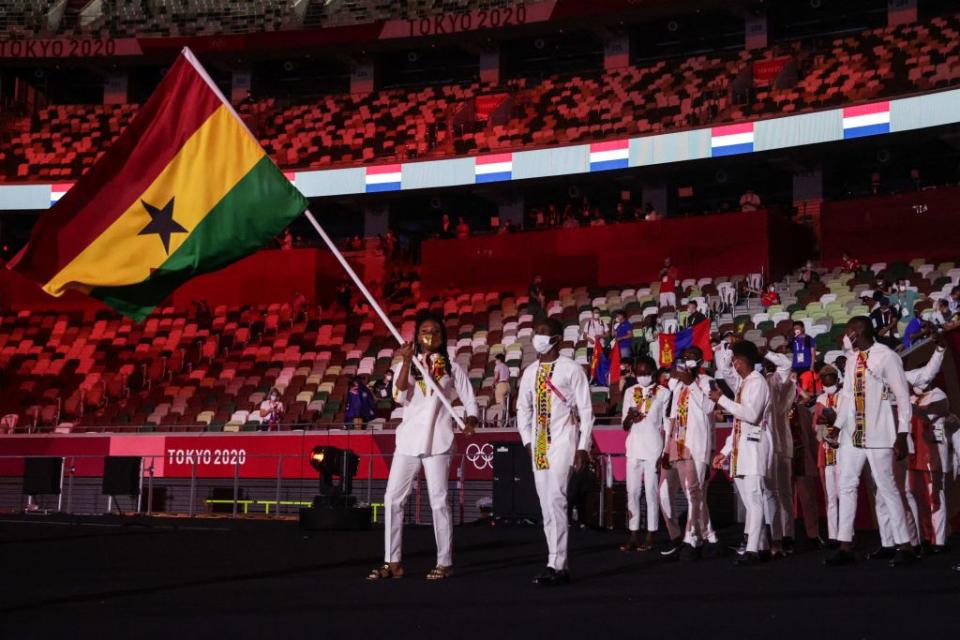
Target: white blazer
(427, 428)
(699, 439)
(754, 453)
(886, 385)
(566, 438)
(645, 438)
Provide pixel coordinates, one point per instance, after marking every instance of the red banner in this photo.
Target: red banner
(765, 71)
(484, 106)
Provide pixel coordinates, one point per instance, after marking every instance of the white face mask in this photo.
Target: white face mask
(691, 364)
(917, 391)
(832, 389)
(596, 316)
(644, 381)
(542, 344)
(796, 332)
(758, 368)
(847, 343)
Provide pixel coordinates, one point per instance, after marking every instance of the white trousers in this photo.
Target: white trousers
(668, 299)
(642, 479)
(888, 497)
(552, 491)
(403, 475)
(750, 489)
(884, 522)
(830, 477)
(670, 483)
(927, 498)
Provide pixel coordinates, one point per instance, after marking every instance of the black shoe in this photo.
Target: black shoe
(688, 552)
(671, 551)
(552, 578)
(765, 556)
(956, 567)
(748, 559)
(920, 550)
(883, 553)
(938, 549)
(714, 550)
(903, 558)
(840, 557)
(788, 546)
(831, 544)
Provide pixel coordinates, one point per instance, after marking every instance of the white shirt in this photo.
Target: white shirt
(570, 380)
(645, 439)
(884, 378)
(427, 427)
(936, 406)
(753, 411)
(699, 436)
(501, 373)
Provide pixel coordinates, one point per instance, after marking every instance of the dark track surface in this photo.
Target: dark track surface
(177, 579)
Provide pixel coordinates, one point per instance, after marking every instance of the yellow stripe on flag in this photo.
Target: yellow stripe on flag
(207, 167)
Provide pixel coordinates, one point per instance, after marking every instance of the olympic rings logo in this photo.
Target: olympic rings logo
(481, 455)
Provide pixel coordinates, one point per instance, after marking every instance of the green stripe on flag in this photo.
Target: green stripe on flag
(250, 215)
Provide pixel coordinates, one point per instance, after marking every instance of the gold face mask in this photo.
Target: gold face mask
(427, 340)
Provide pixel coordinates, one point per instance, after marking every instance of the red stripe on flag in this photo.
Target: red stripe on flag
(494, 158)
(866, 109)
(182, 102)
(61, 187)
(732, 129)
(611, 145)
(383, 168)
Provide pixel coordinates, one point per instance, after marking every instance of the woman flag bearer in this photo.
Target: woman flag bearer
(424, 438)
(645, 405)
(554, 391)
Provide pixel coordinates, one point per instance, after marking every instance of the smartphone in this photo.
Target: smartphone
(713, 384)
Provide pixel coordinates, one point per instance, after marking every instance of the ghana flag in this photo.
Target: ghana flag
(185, 189)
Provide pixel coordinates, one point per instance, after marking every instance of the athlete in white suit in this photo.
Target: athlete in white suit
(554, 393)
(871, 435)
(747, 449)
(645, 406)
(424, 439)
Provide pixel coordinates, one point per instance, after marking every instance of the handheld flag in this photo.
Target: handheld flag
(696, 336)
(186, 189)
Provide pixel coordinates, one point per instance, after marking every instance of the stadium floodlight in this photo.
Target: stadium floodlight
(331, 462)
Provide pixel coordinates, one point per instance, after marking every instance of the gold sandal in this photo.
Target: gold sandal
(386, 571)
(440, 573)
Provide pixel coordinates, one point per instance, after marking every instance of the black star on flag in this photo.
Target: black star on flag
(161, 223)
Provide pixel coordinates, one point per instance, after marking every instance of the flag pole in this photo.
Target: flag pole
(427, 378)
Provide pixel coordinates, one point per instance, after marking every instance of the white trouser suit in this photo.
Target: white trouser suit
(876, 374)
(644, 446)
(748, 451)
(546, 399)
(424, 438)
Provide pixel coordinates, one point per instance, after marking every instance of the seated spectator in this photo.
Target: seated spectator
(941, 313)
(849, 263)
(806, 273)
(694, 316)
(271, 411)
(816, 289)
(749, 201)
(770, 297)
(356, 243)
(917, 330)
(884, 319)
(569, 221)
(650, 214)
(463, 229)
(537, 299)
(344, 295)
(904, 298)
(954, 300)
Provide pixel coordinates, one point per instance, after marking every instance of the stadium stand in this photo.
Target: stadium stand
(184, 371)
(344, 129)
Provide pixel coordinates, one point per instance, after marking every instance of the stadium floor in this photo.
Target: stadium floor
(112, 577)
